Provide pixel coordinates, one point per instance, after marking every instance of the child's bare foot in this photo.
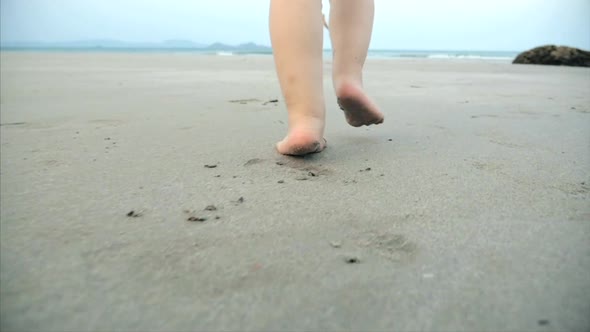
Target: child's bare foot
(300, 143)
(358, 108)
(303, 138)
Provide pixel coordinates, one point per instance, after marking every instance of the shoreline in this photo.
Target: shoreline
(373, 54)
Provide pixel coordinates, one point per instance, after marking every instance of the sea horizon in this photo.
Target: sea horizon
(373, 53)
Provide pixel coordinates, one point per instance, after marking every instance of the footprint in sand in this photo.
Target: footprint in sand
(574, 189)
(395, 247)
(12, 124)
(244, 101)
(254, 100)
(254, 162)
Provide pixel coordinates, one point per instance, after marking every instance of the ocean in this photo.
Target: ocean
(444, 54)
(399, 54)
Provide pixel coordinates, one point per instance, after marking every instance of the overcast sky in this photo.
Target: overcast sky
(399, 24)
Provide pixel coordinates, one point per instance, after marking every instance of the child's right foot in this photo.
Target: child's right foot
(358, 108)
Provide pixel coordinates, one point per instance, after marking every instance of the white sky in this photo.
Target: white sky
(399, 24)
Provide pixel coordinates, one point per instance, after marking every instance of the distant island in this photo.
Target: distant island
(117, 44)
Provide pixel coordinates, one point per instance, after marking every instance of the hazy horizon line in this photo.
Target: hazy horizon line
(186, 43)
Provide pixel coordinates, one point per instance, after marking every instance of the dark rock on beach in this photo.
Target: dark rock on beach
(554, 55)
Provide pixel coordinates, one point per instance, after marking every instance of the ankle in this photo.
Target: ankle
(313, 122)
(342, 85)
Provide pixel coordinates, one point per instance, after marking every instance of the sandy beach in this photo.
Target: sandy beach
(467, 210)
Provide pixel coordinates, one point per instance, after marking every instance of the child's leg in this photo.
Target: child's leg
(351, 24)
(296, 35)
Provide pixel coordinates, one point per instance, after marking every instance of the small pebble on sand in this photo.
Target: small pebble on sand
(199, 219)
(335, 244)
(352, 259)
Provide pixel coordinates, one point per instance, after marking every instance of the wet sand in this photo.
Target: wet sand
(142, 192)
